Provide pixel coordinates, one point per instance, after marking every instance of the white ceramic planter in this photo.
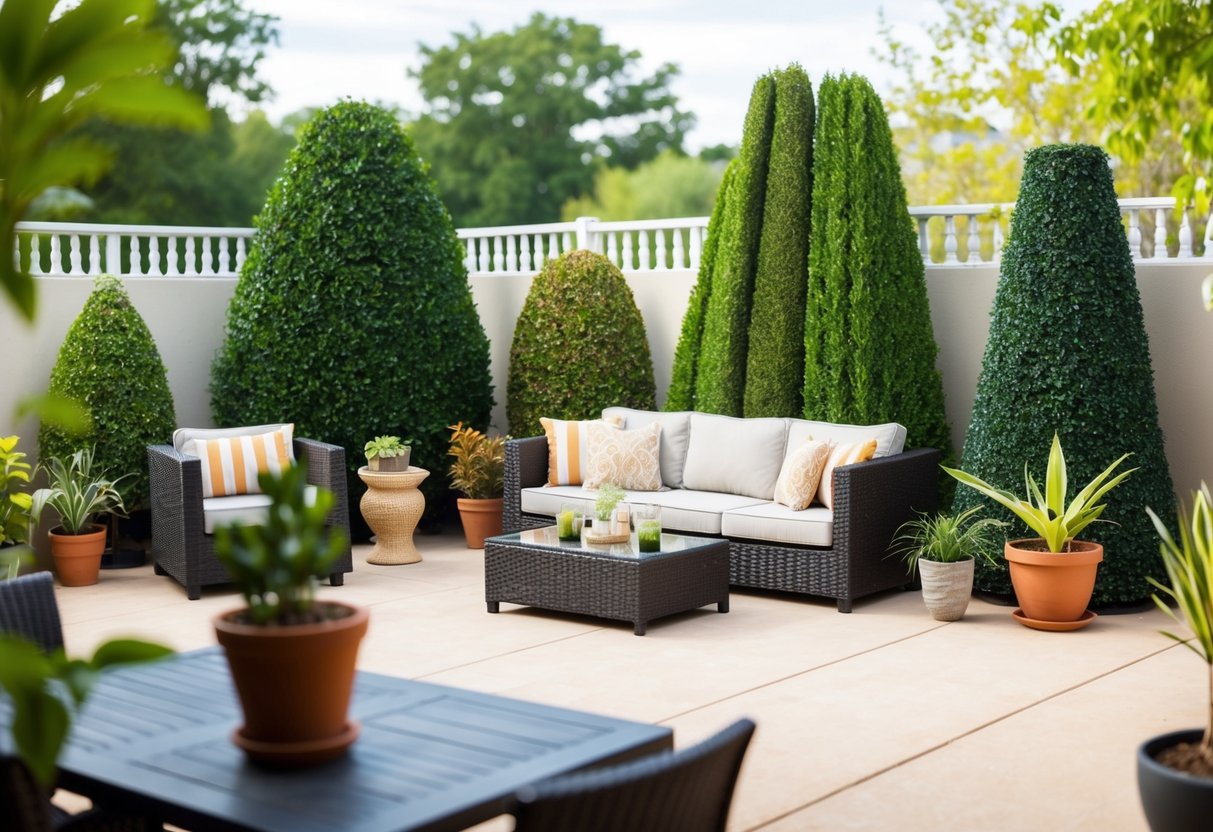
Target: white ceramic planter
(946, 588)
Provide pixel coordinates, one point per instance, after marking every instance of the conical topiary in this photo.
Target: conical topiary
(109, 364)
(1068, 352)
(869, 344)
(353, 317)
(579, 345)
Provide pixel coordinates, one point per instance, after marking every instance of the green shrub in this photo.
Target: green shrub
(681, 395)
(720, 370)
(579, 345)
(109, 363)
(775, 363)
(869, 344)
(1067, 352)
(353, 316)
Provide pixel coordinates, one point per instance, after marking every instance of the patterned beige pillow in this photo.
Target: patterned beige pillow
(568, 448)
(801, 474)
(846, 454)
(631, 459)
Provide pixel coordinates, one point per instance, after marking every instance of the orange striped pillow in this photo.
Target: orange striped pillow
(568, 448)
(231, 465)
(845, 454)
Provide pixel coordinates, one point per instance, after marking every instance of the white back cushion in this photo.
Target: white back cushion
(890, 437)
(675, 434)
(735, 456)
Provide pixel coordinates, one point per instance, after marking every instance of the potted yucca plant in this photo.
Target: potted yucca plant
(479, 472)
(943, 549)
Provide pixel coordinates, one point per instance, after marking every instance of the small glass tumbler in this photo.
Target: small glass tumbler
(569, 522)
(648, 527)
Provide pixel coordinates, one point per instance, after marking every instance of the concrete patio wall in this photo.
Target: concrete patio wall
(186, 318)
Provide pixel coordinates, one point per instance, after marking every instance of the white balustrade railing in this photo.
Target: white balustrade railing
(948, 235)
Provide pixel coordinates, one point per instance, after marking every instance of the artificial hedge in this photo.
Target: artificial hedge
(775, 359)
(1068, 352)
(681, 394)
(353, 317)
(579, 346)
(869, 344)
(720, 370)
(109, 363)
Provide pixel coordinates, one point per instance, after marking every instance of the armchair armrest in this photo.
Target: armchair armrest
(526, 465)
(175, 481)
(326, 467)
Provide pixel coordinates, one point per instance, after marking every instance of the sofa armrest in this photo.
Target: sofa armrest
(526, 466)
(175, 487)
(326, 468)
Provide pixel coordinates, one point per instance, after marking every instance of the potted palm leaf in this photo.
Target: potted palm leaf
(943, 549)
(15, 506)
(1053, 574)
(479, 472)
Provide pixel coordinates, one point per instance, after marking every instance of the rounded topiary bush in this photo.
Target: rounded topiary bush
(579, 346)
(353, 317)
(109, 364)
(1068, 352)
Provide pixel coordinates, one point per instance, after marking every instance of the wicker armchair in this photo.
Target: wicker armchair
(28, 608)
(181, 548)
(684, 791)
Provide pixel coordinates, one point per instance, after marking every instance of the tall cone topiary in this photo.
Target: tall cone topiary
(869, 344)
(1068, 352)
(775, 342)
(681, 395)
(353, 317)
(579, 345)
(109, 364)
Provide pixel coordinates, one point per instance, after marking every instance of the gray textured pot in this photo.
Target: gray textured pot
(946, 588)
(391, 463)
(1172, 800)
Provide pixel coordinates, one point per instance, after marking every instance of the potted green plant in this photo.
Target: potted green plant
(1053, 574)
(292, 657)
(14, 507)
(1175, 770)
(79, 495)
(479, 472)
(388, 453)
(609, 496)
(943, 549)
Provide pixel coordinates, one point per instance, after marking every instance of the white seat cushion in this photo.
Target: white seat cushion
(246, 509)
(779, 524)
(890, 437)
(675, 434)
(735, 456)
(693, 512)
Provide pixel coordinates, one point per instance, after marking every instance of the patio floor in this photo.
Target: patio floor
(882, 719)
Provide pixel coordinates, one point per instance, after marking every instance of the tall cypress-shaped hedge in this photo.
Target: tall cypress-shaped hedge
(579, 345)
(353, 316)
(109, 363)
(775, 361)
(681, 395)
(869, 345)
(720, 372)
(1068, 352)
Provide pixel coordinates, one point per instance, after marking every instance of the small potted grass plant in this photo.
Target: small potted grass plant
(292, 657)
(388, 453)
(943, 549)
(479, 472)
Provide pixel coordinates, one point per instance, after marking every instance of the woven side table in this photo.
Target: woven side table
(392, 505)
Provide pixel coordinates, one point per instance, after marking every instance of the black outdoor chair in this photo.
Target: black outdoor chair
(28, 608)
(683, 791)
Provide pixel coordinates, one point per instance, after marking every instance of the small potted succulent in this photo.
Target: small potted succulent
(292, 657)
(388, 453)
(609, 496)
(943, 549)
(1053, 574)
(479, 472)
(79, 495)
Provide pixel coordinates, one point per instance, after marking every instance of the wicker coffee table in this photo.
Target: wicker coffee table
(536, 568)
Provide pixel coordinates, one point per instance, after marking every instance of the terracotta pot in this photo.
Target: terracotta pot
(481, 519)
(1173, 801)
(77, 556)
(294, 684)
(1052, 586)
(946, 588)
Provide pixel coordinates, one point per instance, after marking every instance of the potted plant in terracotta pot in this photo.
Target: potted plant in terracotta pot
(479, 472)
(79, 495)
(292, 657)
(388, 453)
(943, 549)
(1053, 574)
(1175, 770)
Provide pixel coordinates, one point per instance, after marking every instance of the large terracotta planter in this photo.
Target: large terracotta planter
(294, 684)
(1172, 800)
(946, 587)
(481, 519)
(1053, 588)
(77, 556)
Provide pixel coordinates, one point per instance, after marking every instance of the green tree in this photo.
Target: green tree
(506, 113)
(353, 317)
(869, 345)
(579, 345)
(220, 44)
(1068, 353)
(96, 59)
(670, 185)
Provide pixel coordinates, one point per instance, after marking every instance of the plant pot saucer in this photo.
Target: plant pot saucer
(297, 754)
(1055, 626)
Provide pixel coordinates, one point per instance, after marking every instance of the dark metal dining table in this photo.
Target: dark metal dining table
(156, 738)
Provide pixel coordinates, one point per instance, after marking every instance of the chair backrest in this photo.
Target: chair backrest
(23, 803)
(28, 608)
(684, 791)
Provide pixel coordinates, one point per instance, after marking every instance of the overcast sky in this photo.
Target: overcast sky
(363, 48)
